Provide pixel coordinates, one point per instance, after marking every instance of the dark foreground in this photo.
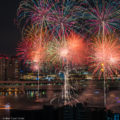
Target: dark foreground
(78, 112)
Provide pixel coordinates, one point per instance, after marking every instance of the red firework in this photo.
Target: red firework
(70, 49)
(105, 56)
(32, 50)
(77, 48)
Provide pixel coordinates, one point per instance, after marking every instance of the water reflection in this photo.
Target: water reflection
(19, 102)
(90, 96)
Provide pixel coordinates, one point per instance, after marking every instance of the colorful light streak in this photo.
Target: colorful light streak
(65, 17)
(58, 16)
(32, 48)
(70, 50)
(105, 56)
(35, 12)
(96, 12)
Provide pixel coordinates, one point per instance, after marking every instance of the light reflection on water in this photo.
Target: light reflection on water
(28, 93)
(27, 101)
(19, 102)
(22, 102)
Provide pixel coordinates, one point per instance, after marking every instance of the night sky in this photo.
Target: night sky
(9, 33)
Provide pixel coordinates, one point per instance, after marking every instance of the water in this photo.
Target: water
(24, 107)
(63, 113)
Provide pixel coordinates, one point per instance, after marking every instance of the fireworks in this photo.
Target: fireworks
(57, 16)
(77, 49)
(101, 15)
(45, 18)
(64, 52)
(33, 49)
(34, 32)
(105, 56)
(64, 16)
(70, 50)
(36, 12)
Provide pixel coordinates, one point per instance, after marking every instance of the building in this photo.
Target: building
(12, 69)
(3, 67)
(9, 68)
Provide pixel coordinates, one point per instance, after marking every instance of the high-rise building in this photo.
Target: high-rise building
(9, 68)
(12, 69)
(3, 62)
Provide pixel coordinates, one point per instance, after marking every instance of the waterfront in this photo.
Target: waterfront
(14, 103)
(48, 112)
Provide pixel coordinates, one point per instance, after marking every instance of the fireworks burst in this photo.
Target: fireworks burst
(34, 32)
(58, 16)
(70, 50)
(64, 16)
(99, 15)
(32, 48)
(105, 56)
(67, 51)
(36, 12)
